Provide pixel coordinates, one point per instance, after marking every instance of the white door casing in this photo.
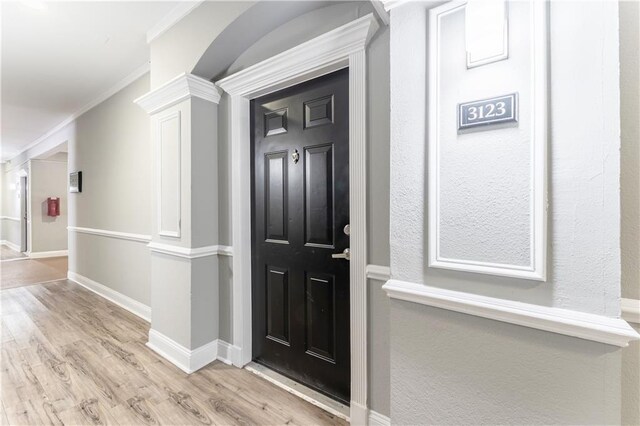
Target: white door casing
(340, 48)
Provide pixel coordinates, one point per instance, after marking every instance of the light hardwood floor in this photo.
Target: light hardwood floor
(17, 273)
(8, 254)
(71, 357)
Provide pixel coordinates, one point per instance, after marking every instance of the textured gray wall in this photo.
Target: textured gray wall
(48, 179)
(451, 369)
(110, 145)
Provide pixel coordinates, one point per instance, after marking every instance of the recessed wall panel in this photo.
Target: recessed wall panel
(169, 175)
(487, 185)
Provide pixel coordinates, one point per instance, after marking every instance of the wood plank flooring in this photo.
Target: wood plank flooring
(8, 254)
(17, 273)
(70, 357)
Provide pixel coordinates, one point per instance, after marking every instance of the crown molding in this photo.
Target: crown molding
(139, 72)
(170, 19)
(597, 328)
(315, 57)
(180, 88)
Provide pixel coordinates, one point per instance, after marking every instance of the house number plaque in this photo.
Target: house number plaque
(501, 109)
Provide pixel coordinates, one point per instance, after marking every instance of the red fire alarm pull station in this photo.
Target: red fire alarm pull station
(53, 206)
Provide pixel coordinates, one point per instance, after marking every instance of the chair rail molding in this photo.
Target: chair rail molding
(11, 218)
(597, 328)
(378, 272)
(111, 234)
(190, 253)
(630, 310)
(342, 47)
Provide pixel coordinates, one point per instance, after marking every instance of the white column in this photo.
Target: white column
(184, 246)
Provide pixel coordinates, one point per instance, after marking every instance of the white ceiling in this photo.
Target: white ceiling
(59, 56)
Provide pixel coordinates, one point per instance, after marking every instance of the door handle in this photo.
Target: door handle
(346, 254)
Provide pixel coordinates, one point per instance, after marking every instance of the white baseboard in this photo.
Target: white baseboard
(131, 305)
(185, 359)
(228, 353)
(377, 419)
(44, 254)
(11, 245)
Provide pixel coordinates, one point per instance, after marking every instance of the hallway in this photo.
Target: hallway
(71, 357)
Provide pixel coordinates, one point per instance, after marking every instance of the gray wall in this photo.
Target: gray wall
(455, 368)
(630, 195)
(48, 179)
(284, 37)
(110, 145)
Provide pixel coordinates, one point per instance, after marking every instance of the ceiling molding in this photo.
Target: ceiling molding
(139, 72)
(597, 328)
(182, 87)
(172, 18)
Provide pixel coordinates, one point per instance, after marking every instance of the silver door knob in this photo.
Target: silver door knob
(346, 254)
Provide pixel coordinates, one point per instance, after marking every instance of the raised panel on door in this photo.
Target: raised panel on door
(275, 183)
(277, 304)
(320, 316)
(318, 196)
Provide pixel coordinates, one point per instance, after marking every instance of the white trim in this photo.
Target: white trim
(378, 272)
(228, 353)
(301, 391)
(44, 254)
(185, 359)
(321, 55)
(178, 89)
(111, 234)
(125, 302)
(343, 47)
(189, 253)
(538, 183)
(14, 219)
(377, 419)
(392, 4)
(139, 72)
(630, 310)
(597, 328)
(11, 245)
(174, 115)
(174, 16)
(382, 13)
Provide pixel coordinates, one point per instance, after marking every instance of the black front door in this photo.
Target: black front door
(300, 190)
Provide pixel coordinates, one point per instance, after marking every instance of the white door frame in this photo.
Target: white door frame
(340, 48)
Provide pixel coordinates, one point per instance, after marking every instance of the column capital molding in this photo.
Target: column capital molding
(180, 88)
